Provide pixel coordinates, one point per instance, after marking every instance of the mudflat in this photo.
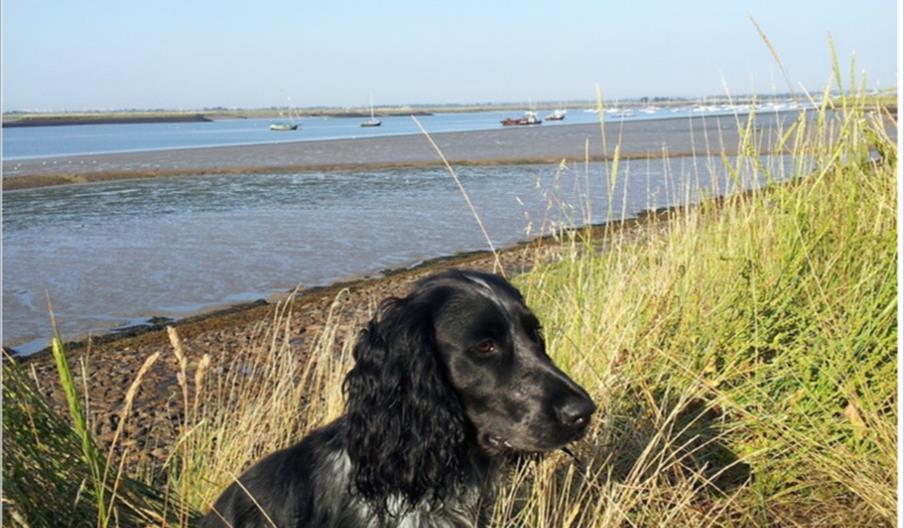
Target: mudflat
(538, 144)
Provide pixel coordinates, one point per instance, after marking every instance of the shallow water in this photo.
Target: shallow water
(116, 253)
(65, 140)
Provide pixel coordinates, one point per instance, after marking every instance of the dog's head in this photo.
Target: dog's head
(494, 356)
(458, 363)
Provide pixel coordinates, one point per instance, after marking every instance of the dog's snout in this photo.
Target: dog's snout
(575, 412)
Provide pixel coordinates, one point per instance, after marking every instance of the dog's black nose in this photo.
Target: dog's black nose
(576, 412)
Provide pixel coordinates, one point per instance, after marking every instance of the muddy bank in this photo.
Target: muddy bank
(549, 144)
(112, 362)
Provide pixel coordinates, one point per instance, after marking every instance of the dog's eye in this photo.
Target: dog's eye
(487, 346)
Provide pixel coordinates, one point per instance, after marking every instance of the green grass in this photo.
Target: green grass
(744, 359)
(742, 353)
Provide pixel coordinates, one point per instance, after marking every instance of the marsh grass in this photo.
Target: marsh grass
(742, 352)
(54, 472)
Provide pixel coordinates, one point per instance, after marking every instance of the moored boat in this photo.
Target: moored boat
(287, 122)
(529, 118)
(556, 115)
(623, 113)
(373, 121)
(283, 127)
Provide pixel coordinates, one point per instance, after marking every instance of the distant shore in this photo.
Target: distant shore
(103, 119)
(127, 118)
(216, 113)
(522, 145)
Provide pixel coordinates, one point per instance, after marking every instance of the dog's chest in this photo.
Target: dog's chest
(468, 507)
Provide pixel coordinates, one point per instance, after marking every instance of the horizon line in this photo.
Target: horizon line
(546, 102)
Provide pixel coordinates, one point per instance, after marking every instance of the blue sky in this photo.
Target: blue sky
(105, 54)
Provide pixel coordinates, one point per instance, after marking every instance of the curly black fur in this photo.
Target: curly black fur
(406, 427)
(448, 383)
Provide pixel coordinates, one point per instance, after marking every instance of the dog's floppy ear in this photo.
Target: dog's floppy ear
(405, 424)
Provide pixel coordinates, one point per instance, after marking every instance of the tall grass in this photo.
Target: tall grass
(744, 358)
(54, 472)
(742, 353)
(261, 400)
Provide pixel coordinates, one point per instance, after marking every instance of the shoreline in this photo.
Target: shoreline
(26, 351)
(529, 145)
(104, 120)
(112, 361)
(239, 311)
(197, 117)
(242, 310)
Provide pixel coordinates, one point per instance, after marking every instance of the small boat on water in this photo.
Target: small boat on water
(373, 121)
(556, 115)
(287, 121)
(529, 118)
(623, 113)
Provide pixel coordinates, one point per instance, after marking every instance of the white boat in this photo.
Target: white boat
(373, 121)
(627, 112)
(557, 115)
(283, 127)
(287, 123)
(614, 109)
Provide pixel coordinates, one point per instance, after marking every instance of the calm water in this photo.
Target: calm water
(117, 253)
(37, 142)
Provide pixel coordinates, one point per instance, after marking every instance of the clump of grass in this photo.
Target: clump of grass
(54, 472)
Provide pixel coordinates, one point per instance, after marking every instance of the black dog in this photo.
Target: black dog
(447, 383)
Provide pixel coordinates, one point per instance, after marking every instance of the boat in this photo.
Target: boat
(623, 113)
(283, 127)
(372, 122)
(556, 115)
(288, 123)
(529, 118)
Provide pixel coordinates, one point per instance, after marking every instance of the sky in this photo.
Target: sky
(185, 54)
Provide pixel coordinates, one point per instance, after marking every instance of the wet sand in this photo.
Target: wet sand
(541, 144)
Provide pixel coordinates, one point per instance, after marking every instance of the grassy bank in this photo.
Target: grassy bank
(744, 360)
(742, 354)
